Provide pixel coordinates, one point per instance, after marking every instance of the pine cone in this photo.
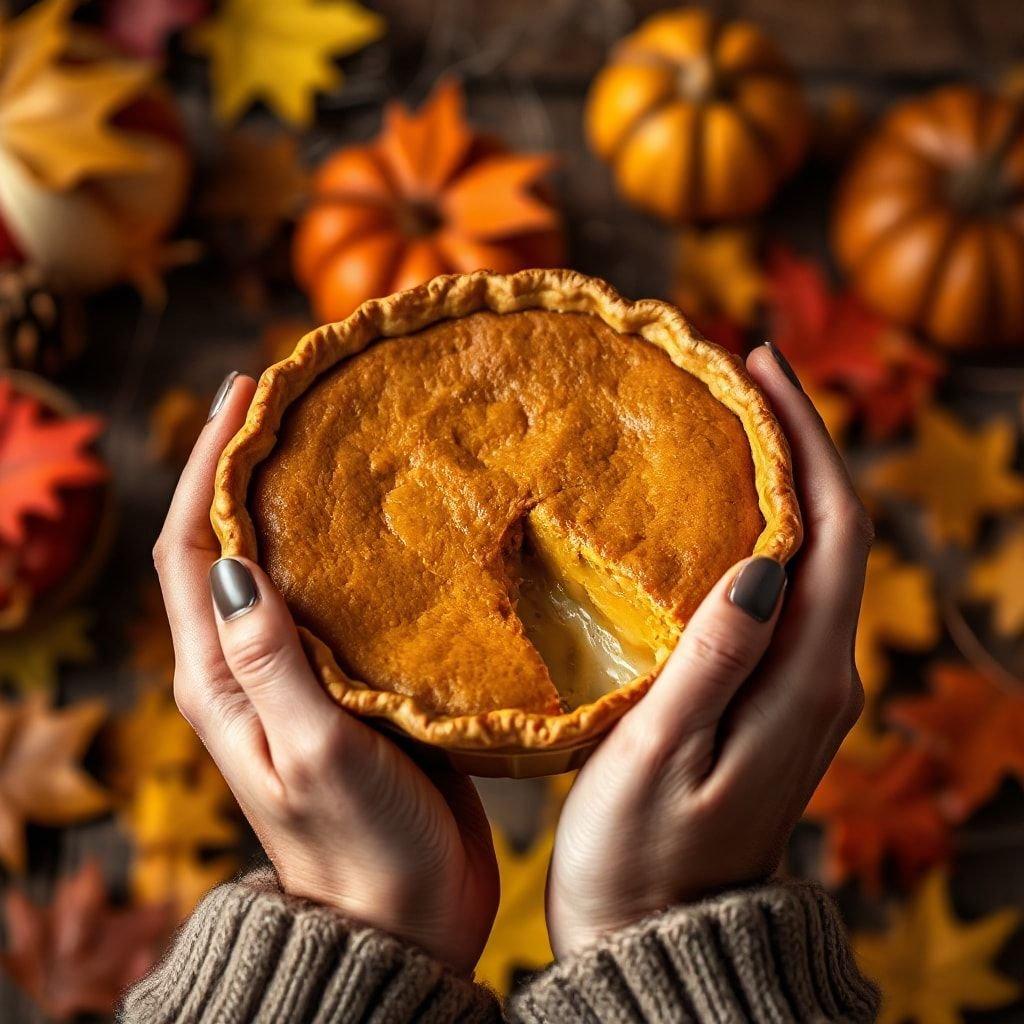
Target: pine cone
(39, 331)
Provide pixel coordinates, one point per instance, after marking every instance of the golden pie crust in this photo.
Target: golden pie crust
(388, 467)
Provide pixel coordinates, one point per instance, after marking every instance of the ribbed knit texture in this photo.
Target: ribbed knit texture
(777, 953)
(251, 955)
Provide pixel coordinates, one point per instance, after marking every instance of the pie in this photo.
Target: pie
(492, 502)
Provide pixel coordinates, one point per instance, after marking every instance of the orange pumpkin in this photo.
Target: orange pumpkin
(700, 120)
(929, 223)
(429, 196)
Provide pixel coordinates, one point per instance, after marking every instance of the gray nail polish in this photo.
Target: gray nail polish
(222, 394)
(233, 588)
(784, 366)
(757, 587)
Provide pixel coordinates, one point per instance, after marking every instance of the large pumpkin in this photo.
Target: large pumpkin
(700, 119)
(429, 196)
(929, 223)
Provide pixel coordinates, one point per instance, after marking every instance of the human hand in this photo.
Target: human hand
(698, 787)
(347, 818)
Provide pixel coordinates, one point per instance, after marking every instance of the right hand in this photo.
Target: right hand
(699, 786)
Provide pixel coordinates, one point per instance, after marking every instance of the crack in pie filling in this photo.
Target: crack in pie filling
(493, 502)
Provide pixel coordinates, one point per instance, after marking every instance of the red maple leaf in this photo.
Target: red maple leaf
(38, 456)
(874, 811)
(142, 27)
(833, 340)
(78, 954)
(976, 730)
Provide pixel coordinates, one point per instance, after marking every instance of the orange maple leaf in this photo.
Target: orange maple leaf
(871, 811)
(974, 728)
(998, 579)
(38, 456)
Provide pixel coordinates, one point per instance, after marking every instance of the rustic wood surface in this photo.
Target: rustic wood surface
(527, 64)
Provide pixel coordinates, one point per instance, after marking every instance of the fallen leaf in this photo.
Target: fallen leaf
(78, 954)
(717, 273)
(281, 52)
(975, 728)
(40, 779)
(871, 811)
(29, 657)
(898, 610)
(143, 27)
(162, 876)
(999, 579)
(174, 424)
(55, 113)
(38, 457)
(957, 475)
(931, 966)
(519, 938)
(257, 185)
(834, 341)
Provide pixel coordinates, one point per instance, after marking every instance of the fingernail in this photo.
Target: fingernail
(233, 588)
(757, 587)
(222, 394)
(784, 365)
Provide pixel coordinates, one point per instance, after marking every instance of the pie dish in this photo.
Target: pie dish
(493, 501)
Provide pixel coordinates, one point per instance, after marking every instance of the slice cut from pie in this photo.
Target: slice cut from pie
(492, 502)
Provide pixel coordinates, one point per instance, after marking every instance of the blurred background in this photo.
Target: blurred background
(180, 195)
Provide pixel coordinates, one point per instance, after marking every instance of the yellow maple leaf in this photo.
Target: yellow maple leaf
(835, 410)
(930, 966)
(281, 52)
(178, 877)
(519, 938)
(29, 657)
(957, 475)
(55, 113)
(897, 610)
(1000, 579)
(717, 272)
(174, 425)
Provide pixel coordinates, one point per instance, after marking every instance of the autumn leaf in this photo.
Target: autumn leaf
(142, 27)
(1000, 580)
(40, 779)
(174, 424)
(519, 938)
(168, 876)
(897, 610)
(78, 954)
(717, 273)
(281, 52)
(55, 113)
(29, 657)
(281, 336)
(152, 655)
(975, 728)
(873, 810)
(38, 456)
(834, 341)
(957, 475)
(931, 966)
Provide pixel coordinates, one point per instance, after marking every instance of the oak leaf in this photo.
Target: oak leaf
(975, 728)
(931, 966)
(873, 810)
(143, 27)
(1000, 580)
(54, 112)
(29, 657)
(38, 457)
(78, 954)
(40, 779)
(956, 474)
(834, 341)
(281, 52)
(717, 272)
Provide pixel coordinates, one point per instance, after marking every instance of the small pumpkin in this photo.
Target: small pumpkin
(429, 196)
(700, 119)
(929, 222)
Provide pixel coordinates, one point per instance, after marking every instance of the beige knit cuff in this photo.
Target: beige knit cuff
(251, 955)
(776, 953)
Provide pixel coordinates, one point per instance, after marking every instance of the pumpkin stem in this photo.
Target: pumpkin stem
(416, 219)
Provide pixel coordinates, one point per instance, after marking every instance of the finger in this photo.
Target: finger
(262, 649)
(718, 650)
(830, 576)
